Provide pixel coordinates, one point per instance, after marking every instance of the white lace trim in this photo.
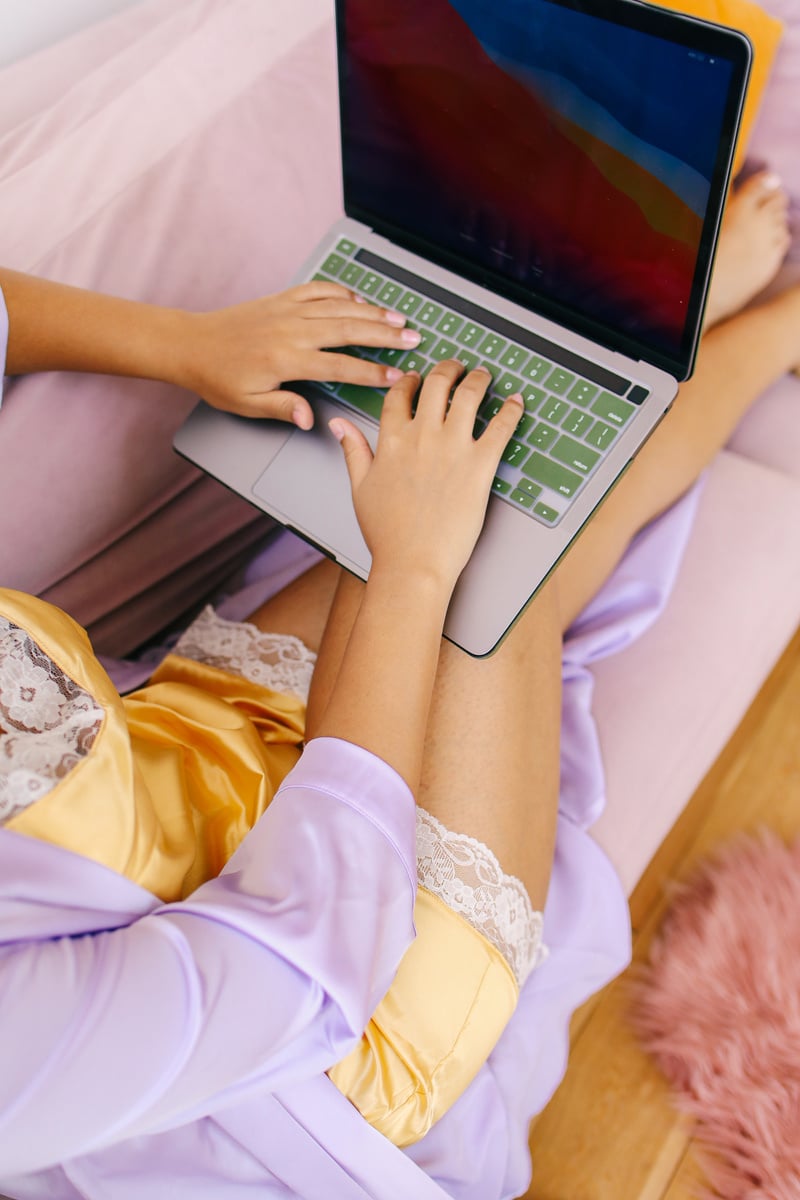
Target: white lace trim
(48, 724)
(466, 875)
(277, 661)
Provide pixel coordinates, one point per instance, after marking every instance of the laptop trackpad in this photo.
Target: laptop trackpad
(307, 487)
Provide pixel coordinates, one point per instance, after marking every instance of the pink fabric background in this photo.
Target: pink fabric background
(185, 154)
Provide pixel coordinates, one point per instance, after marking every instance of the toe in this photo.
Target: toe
(762, 188)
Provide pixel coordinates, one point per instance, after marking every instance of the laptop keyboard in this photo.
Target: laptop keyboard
(570, 422)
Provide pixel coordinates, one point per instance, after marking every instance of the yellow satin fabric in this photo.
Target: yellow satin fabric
(177, 775)
(450, 1000)
(179, 772)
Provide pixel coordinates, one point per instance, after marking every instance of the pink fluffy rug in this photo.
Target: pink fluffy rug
(718, 1006)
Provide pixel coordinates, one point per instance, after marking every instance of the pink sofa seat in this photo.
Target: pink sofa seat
(170, 173)
(666, 706)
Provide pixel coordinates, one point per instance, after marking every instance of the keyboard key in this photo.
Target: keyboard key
(559, 380)
(514, 453)
(513, 358)
(577, 422)
(543, 436)
(444, 349)
(546, 512)
(528, 486)
(470, 361)
(365, 399)
(416, 362)
(450, 324)
(522, 498)
(575, 454)
(501, 486)
(507, 384)
(351, 274)
(553, 410)
(600, 435)
(345, 246)
(333, 264)
(524, 426)
(537, 369)
(489, 408)
(430, 313)
(533, 396)
(393, 357)
(427, 339)
(613, 409)
(638, 394)
(371, 284)
(582, 392)
(389, 294)
(552, 474)
(472, 335)
(409, 304)
(492, 345)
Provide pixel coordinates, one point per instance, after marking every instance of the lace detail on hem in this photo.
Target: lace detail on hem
(48, 724)
(277, 661)
(466, 875)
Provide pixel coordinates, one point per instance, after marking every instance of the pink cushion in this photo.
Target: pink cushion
(193, 161)
(666, 706)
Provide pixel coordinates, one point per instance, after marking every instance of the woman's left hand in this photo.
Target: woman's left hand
(240, 358)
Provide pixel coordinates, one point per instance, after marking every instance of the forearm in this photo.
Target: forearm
(381, 695)
(53, 327)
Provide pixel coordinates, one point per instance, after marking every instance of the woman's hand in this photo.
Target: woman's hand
(421, 501)
(239, 358)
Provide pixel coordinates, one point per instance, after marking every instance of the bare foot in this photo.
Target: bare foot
(753, 242)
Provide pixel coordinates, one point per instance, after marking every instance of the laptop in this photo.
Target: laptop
(537, 185)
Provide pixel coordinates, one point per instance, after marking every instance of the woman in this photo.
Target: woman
(205, 989)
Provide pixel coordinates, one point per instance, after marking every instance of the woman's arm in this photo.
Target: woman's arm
(421, 505)
(235, 358)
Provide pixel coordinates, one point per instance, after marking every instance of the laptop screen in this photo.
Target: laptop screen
(570, 155)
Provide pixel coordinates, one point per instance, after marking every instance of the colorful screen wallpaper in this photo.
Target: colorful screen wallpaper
(572, 156)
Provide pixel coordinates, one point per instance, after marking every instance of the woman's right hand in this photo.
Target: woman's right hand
(421, 501)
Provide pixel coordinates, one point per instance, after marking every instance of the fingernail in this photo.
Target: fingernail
(517, 398)
(337, 429)
(396, 318)
(301, 417)
(410, 337)
(393, 374)
(483, 367)
(359, 299)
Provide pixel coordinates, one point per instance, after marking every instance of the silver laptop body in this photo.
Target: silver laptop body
(299, 477)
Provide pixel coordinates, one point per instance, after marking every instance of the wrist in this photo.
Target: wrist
(412, 582)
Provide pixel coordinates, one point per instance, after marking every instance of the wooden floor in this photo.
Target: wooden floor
(610, 1132)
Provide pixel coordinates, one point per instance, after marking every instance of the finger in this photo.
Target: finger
(279, 406)
(468, 396)
(355, 307)
(356, 448)
(349, 368)
(497, 433)
(398, 403)
(435, 395)
(355, 331)
(318, 289)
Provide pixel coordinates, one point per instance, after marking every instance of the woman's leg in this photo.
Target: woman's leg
(491, 755)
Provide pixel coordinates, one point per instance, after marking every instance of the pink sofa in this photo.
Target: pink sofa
(192, 158)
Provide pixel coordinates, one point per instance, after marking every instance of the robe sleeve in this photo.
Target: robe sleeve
(263, 977)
